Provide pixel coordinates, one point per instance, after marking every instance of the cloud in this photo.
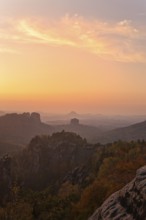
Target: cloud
(118, 41)
(8, 50)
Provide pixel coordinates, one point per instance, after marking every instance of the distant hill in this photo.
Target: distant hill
(21, 128)
(105, 122)
(133, 132)
(85, 131)
(73, 114)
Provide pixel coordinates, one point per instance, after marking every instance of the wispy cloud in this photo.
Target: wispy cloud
(8, 50)
(122, 41)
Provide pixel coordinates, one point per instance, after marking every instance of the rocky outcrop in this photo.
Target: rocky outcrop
(18, 118)
(51, 160)
(35, 117)
(74, 121)
(21, 128)
(127, 204)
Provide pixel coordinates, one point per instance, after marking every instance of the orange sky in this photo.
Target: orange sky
(72, 62)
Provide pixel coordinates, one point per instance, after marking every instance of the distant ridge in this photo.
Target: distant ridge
(21, 128)
(85, 131)
(132, 132)
(73, 114)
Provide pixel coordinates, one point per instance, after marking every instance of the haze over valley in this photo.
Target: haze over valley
(72, 110)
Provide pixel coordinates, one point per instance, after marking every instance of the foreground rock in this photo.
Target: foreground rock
(127, 204)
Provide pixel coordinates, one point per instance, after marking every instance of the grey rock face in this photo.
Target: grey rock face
(127, 204)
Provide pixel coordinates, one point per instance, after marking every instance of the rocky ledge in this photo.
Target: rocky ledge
(127, 204)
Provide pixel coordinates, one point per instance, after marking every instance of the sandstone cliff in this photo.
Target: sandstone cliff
(127, 204)
(21, 128)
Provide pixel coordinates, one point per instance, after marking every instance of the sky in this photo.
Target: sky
(83, 55)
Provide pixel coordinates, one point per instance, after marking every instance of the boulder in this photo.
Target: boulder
(129, 203)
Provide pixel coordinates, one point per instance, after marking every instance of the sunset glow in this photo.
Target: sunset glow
(72, 59)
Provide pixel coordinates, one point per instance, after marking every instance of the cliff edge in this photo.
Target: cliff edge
(129, 203)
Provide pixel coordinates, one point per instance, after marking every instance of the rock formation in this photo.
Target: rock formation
(21, 128)
(35, 117)
(127, 204)
(74, 121)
